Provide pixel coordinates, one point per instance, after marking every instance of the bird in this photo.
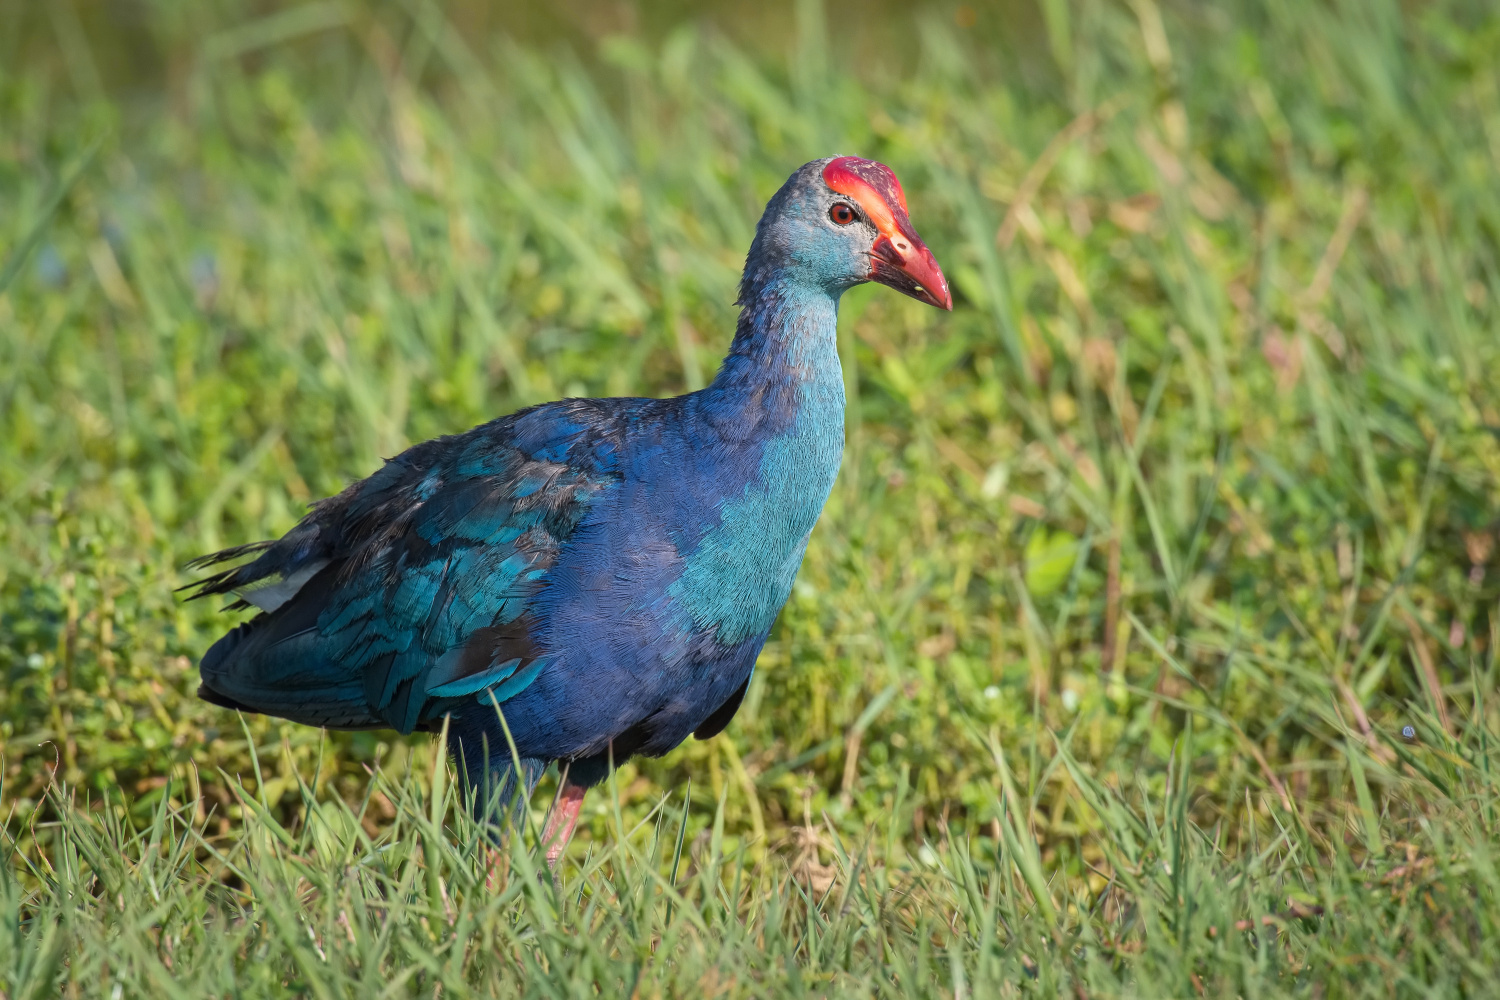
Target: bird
(583, 580)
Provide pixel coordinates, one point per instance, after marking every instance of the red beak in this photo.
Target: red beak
(899, 258)
(913, 271)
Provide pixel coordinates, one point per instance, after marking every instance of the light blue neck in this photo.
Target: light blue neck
(787, 332)
(785, 360)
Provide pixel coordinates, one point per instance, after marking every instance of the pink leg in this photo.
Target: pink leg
(564, 817)
(494, 864)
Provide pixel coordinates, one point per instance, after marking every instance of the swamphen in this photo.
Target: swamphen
(604, 571)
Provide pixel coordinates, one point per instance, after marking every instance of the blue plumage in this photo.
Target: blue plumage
(605, 570)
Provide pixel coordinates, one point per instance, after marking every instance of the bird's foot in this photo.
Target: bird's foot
(494, 868)
(555, 837)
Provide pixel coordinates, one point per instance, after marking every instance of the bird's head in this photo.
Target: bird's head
(840, 222)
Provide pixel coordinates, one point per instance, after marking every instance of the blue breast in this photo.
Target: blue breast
(736, 580)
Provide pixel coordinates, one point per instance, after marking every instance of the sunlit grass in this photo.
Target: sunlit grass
(1096, 674)
(336, 903)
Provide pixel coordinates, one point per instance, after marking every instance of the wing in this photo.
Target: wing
(412, 590)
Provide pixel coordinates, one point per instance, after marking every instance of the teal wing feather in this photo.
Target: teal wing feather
(414, 588)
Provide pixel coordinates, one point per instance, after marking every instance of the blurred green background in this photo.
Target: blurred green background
(1213, 431)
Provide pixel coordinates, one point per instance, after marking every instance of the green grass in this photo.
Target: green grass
(1094, 679)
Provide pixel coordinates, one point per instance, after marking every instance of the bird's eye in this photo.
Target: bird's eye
(841, 214)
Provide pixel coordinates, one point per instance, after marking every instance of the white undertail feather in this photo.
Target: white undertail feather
(272, 595)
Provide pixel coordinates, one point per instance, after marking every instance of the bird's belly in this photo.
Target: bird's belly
(630, 663)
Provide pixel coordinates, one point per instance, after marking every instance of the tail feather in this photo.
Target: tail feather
(276, 664)
(222, 582)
